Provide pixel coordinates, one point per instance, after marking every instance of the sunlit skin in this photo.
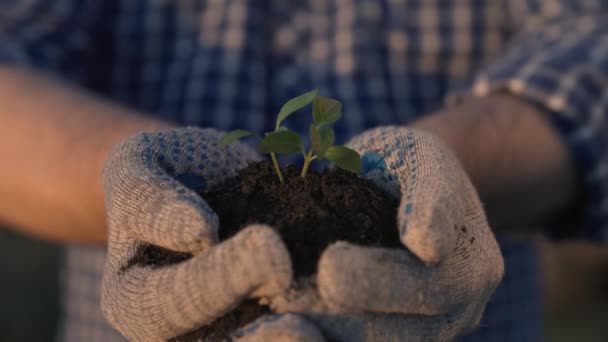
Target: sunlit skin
(55, 138)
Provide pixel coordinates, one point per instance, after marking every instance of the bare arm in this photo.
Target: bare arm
(522, 169)
(54, 140)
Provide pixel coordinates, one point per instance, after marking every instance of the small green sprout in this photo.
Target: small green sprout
(325, 111)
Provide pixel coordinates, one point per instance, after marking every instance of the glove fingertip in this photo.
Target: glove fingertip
(430, 248)
(272, 255)
(427, 231)
(186, 224)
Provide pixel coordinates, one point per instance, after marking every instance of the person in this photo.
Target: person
(508, 94)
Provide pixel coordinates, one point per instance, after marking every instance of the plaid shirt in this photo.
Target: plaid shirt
(231, 63)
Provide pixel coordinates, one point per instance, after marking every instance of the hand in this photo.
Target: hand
(440, 284)
(148, 202)
(434, 289)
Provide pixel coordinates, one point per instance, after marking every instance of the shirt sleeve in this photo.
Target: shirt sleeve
(46, 34)
(559, 60)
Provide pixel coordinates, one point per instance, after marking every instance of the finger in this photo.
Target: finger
(157, 209)
(390, 327)
(165, 302)
(149, 183)
(430, 202)
(351, 278)
(428, 178)
(280, 327)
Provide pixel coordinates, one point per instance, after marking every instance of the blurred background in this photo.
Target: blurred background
(576, 283)
(29, 301)
(576, 277)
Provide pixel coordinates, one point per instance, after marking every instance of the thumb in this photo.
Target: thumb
(415, 166)
(432, 198)
(153, 206)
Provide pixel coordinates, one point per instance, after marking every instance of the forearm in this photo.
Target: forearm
(521, 168)
(54, 140)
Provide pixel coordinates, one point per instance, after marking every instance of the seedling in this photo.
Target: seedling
(325, 111)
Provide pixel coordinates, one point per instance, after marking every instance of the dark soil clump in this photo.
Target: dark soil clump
(309, 213)
(245, 313)
(155, 256)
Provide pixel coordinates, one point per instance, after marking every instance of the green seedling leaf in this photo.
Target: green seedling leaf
(283, 141)
(294, 104)
(344, 158)
(326, 110)
(321, 139)
(232, 136)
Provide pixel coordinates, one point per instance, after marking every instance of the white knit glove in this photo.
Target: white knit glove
(434, 289)
(148, 202)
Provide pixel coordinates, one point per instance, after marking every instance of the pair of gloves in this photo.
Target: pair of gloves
(433, 290)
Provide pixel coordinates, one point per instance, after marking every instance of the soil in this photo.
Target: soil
(309, 213)
(245, 313)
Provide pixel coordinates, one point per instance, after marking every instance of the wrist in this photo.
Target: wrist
(519, 164)
(466, 126)
(471, 114)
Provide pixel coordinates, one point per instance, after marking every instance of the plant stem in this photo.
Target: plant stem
(307, 159)
(276, 166)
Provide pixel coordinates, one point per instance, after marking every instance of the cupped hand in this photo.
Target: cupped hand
(436, 287)
(148, 183)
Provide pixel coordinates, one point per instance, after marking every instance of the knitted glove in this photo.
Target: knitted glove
(434, 289)
(148, 202)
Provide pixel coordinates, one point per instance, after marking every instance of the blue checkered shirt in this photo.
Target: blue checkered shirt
(231, 63)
